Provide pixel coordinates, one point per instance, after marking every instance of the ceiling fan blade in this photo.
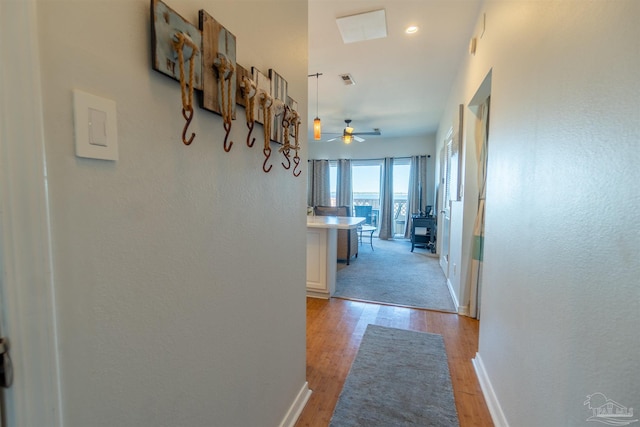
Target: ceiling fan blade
(334, 139)
(377, 132)
(357, 138)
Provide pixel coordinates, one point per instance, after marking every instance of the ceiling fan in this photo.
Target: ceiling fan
(348, 135)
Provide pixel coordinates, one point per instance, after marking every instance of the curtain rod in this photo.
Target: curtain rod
(428, 156)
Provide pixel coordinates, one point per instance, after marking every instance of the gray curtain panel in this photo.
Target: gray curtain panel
(344, 190)
(417, 190)
(318, 184)
(386, 205)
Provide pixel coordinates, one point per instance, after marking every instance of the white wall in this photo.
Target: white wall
(179, 271)
(561, 295)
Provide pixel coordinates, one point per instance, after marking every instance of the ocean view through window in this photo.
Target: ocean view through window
(366, 178)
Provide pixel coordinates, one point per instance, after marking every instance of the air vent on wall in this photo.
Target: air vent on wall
(347, 79)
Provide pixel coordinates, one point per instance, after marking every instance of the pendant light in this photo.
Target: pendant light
(317, 128)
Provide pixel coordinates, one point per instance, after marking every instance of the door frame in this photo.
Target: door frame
(26, 288)
(444, 213)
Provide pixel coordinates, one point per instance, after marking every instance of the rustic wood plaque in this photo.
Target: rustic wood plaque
(262, 84)
(240, 73)
(279, 90)
(165, 24)
(217, 42)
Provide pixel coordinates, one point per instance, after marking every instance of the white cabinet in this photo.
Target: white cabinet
(321, 261)
(322, 252)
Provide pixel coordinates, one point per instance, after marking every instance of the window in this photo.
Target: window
(401, 171)
(333, 181)
(366, 183)
(365, 179)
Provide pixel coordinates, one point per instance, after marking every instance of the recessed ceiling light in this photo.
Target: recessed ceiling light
(411, 30)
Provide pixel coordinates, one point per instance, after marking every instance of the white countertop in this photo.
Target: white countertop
(340, 222)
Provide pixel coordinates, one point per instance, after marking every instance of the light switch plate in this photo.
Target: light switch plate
(96, 129)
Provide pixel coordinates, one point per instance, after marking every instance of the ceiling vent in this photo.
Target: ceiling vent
(363, 26)
(347, 79)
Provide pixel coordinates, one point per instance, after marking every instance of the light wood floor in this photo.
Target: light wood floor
(334, 331)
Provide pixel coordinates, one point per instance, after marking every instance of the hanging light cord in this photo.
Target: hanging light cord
(317, 76)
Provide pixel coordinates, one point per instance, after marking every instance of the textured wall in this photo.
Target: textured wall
(561, 291)
(179, 271)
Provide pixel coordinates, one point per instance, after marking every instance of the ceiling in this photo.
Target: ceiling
(402, 81)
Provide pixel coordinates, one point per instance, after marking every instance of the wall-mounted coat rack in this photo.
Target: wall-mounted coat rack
(204, 59)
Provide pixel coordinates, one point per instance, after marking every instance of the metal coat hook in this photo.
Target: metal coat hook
(286, 156)
(286, 147)
(249, 89)
(227, 128)
(179, 41)
(265, 103)
(267, 154)
(188, 115)
(250, 141)
(296, 160)
(225, 69)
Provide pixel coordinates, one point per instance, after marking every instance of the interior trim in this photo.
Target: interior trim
(28, 298)
(499, 420)
(297, 406)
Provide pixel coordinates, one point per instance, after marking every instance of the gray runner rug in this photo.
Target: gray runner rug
(398, 378)
(392, 274)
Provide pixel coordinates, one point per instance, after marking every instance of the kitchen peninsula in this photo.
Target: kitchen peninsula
(322, 241)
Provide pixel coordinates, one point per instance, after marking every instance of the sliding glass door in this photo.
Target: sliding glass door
(366, 178)
(401, 172)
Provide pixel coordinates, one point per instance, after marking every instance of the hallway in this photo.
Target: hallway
(334, 331)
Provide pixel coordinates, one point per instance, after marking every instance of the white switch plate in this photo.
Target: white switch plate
(95, 126)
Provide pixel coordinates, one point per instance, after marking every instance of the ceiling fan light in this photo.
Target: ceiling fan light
(317, 129)
(347, 138)
(348, 130)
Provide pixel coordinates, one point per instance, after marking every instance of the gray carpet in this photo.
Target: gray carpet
(398, 378)
(392, 274)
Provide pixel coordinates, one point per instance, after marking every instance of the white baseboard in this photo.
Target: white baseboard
(297, 406)
(453, 295)
(499, 420)
(463, 310)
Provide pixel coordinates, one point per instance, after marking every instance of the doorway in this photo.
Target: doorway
(476, 206)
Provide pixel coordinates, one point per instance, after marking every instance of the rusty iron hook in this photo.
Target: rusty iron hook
(286, 156)
(296, 160)
(227, 128)
(250, 141)
(267, 154)
(188, 115)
